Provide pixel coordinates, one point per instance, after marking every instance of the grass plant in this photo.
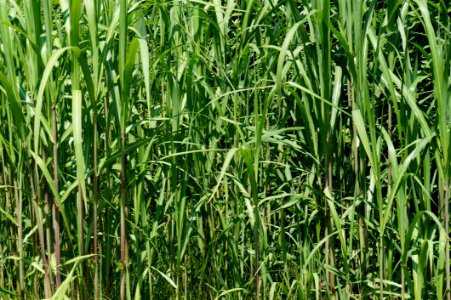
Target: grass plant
(254, 149)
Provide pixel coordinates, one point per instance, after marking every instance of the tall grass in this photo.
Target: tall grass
(258, 149)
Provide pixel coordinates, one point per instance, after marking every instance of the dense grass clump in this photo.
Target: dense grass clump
(254, 149)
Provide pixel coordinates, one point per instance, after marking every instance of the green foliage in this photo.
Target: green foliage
(272, 149)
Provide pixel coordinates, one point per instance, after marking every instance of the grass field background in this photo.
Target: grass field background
(253, 149)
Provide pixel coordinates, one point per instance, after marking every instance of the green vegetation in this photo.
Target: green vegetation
(207, 149)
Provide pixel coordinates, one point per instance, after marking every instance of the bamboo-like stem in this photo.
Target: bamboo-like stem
(257, 250)
(81, 245)
(48, 203)
(123, 230)
(123, 24)
(55, 208)
(106, 219)
(329, 224)
(18, 197)
(36, 196)
(95, 204)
